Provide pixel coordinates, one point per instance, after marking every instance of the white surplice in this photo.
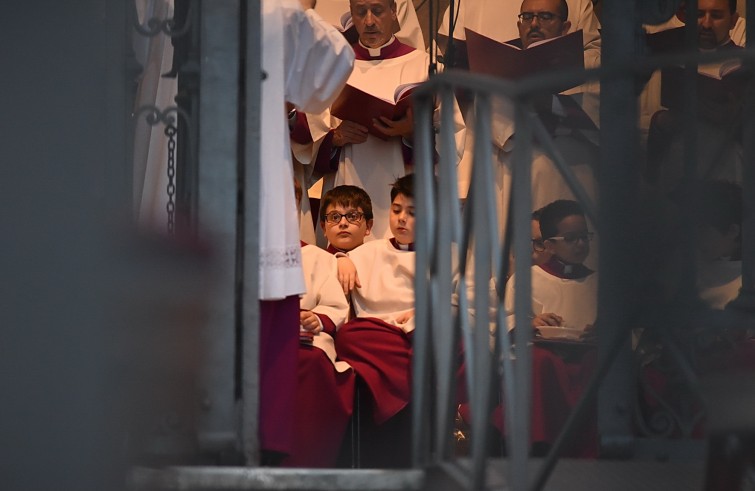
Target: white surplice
(324, 296)
(387, 278)
(307, 62)
(575, 300)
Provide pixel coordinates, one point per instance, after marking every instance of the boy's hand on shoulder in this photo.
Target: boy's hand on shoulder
(347, 275)
(309, 322)
(405, 317)
(547, 319)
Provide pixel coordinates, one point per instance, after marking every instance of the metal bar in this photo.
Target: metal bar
(547, 144)
(612, 70)
(482, 273)
(746, 300)
(618, 180)
(687, 280)
(243, 478)
(522, 189)
(216, 210)
(250, 166)
(424, 196)
(572, 422)
(503, 340)
(445, 334)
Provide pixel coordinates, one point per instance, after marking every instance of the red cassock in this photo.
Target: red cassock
(382, 356)
(559, 377)
(324, 403)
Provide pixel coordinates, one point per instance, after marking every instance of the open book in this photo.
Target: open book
(356, 105)
(716, 82)
(667, 41)
(510, 61)
(347, 28)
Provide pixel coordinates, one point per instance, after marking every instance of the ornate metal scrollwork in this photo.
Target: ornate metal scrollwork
(668, 407)
(155, 117)
(156, 26)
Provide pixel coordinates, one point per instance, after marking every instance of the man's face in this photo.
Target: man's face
(714, 21)
(343, 234)
(538, 29)
(572, 242)
(401, 219)
(373, 20)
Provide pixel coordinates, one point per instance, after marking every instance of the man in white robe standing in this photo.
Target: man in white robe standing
(307, 61)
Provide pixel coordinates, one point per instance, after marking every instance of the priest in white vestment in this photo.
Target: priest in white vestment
(307, 61)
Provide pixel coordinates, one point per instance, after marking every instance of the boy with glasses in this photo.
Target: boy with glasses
(346, 217)
(564, 293)
(564, 290)
(325, 387)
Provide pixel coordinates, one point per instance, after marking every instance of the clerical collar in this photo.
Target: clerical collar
(560, 269)
(392, 49)
(402, 247)
(334, 250)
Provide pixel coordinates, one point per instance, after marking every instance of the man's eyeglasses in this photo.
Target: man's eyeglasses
(572, 239)
(352, 217)
(527, 17)
(538, 245)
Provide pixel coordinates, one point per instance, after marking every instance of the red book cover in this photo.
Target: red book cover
(361, 107)
(509, 61)
(718, 82)
(667, 41)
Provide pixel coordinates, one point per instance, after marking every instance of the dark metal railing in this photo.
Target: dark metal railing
(444, 237)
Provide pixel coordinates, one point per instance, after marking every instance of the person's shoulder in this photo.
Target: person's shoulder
(314, 253)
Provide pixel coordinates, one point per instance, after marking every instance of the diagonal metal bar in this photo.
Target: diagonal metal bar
(548, 145)
(574, 419)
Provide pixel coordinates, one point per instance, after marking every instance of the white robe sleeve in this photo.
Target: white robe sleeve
(307, 62)
(324, 293)
(319, 61)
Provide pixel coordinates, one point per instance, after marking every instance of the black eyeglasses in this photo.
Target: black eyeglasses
(571, 239)
(527, 17)
(352, 217)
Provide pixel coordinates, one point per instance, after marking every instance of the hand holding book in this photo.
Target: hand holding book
(403, 127)
(349, 132)
(379, 116)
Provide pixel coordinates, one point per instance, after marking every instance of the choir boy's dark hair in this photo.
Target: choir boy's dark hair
(552, 214)
(347, 196)
(403, 185)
